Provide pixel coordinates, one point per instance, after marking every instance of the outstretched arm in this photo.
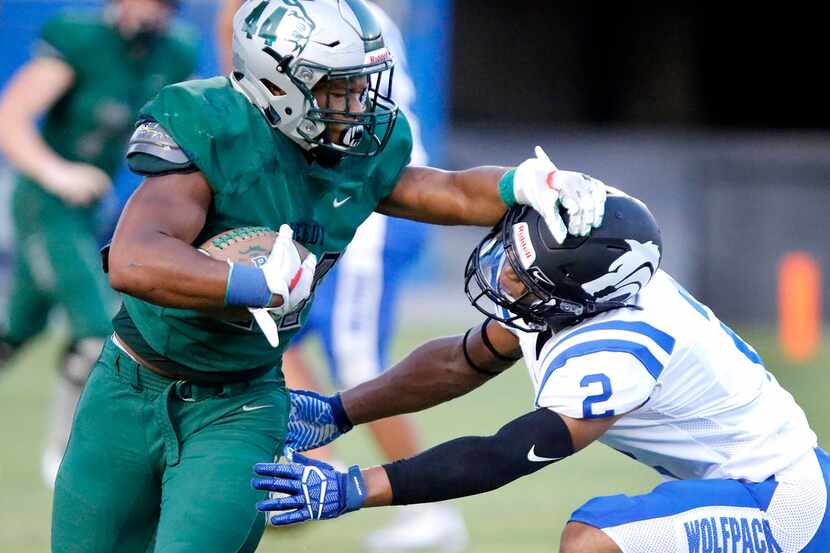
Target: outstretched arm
(481, 195)
(434, 373)
(458, 468)
(438, 371)
(455, 468)
(431, 195)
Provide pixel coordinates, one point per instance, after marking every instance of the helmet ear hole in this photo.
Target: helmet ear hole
(272, 88)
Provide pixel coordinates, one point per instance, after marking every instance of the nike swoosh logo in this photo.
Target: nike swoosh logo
(248, 408)
(533, 458)
(337, 203)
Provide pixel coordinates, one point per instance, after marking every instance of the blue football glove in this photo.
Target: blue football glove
(314, 490)
(314, 420)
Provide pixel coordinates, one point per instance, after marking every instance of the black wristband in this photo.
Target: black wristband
(469, 359)
(491, 347)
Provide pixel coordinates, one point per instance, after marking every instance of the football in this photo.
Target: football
(250, 245)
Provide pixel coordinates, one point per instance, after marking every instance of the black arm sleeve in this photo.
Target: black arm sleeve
(475, 464)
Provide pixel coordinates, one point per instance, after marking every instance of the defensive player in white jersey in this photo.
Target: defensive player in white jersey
(618, 352)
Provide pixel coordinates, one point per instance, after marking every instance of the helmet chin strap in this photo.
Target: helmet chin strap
(571, 313)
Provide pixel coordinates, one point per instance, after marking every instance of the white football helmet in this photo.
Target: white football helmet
(293, 45)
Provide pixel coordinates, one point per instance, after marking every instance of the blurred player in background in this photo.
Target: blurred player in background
(617, 352)
(90, 73)
(354, 317)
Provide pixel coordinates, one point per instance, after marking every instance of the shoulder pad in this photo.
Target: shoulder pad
(153, 151)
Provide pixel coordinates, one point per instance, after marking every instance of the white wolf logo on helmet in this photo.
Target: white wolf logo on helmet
(627, 274)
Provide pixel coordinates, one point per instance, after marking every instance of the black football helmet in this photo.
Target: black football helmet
(554, 285)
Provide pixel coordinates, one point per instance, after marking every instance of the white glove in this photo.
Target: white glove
(75, 183)
(286, 277)
(538, 183)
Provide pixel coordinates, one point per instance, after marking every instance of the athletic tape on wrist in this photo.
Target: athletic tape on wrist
(247, 287)
(506, 188)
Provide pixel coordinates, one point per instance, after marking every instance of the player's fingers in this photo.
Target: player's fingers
(286, 503)
(304, 276)
(582, 213)
(282, 485)
(569, 201)
(286, 232)
(282, 470)
(310, 263)
(581, 222)
(542, 156)
(291, 517)
(599, 196)
(284, 238)
(554, 221)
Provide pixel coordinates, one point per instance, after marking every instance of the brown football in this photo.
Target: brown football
(250, 245)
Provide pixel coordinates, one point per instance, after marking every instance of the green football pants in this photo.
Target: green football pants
(57, 263)
(165, 466)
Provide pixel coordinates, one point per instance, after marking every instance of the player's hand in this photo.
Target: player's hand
(286, 275)
(75, 183)
(313, 490)
(315, 420)
(539, 184)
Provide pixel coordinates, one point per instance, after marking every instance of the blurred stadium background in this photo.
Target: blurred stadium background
(716, 124)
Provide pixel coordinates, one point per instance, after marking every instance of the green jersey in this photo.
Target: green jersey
(114, 77)
(259, 177)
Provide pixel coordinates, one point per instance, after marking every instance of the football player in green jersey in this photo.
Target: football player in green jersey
(302, 136)
(90, 75)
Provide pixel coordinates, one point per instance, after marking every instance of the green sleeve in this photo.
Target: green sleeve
(395, 157)
(215, 127)
(183, 116)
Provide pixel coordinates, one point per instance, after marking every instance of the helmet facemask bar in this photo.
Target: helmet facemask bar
(537, 307)
(366, 132)
(482, 286)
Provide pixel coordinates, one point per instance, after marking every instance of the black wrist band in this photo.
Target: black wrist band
(470, 361)
(492, 348)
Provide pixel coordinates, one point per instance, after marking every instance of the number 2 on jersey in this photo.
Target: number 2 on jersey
(588, 402)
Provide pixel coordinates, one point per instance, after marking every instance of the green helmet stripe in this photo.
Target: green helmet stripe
(249, 25)
(369, 30)
(268, 31)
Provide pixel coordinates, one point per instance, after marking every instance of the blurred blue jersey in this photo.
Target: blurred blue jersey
(354, 306)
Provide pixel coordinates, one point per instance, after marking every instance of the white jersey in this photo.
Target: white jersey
(366, 247)
(696, 399)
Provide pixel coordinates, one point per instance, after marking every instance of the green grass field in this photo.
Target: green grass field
(526, 516)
